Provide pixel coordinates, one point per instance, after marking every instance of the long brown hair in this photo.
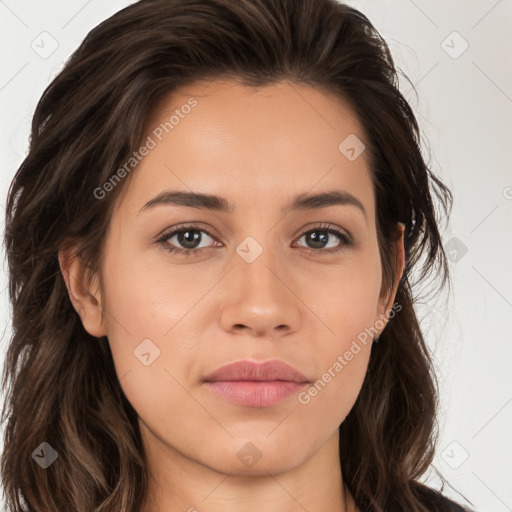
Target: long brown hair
(60, 382)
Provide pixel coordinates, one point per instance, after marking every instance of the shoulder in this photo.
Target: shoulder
(435, 501)
(429, 499)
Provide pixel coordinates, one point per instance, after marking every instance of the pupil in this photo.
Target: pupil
(318, 239)
(189, 237)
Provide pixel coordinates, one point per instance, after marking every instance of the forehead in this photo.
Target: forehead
(237, 141)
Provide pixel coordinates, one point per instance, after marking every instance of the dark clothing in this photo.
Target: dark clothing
(431, 499)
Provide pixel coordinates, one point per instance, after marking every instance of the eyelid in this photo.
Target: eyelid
(326, 226)
(345, 237)
(197, 226)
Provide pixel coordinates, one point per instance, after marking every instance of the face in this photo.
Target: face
(193, 284)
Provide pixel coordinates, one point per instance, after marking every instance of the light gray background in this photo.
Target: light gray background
(464, 107)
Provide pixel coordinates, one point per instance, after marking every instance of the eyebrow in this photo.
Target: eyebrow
(305, 201)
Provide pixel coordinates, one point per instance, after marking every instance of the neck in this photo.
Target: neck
(178, 483)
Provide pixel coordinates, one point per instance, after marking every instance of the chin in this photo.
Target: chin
(258, 455)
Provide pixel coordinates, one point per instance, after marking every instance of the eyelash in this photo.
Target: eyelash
(328, 228)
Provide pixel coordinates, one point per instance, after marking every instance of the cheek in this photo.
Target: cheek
(153, 352)
(152, 348)
(341, 357)
(345, 297)
(336, 389)
(347, 306)
(147, 300)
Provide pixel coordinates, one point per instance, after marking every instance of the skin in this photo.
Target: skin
(257, 148)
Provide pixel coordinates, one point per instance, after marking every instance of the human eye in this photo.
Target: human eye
(189, 237)
(319, 237)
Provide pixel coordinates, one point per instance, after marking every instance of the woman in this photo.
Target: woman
(211, 245)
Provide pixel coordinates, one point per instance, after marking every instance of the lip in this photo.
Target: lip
(256, 384)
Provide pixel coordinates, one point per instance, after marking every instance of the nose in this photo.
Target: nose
(259, 299)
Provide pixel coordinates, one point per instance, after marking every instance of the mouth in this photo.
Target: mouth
(255, 393)
(254, 384)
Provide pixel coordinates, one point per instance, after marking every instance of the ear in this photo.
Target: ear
(84, 295)
(386, 300)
